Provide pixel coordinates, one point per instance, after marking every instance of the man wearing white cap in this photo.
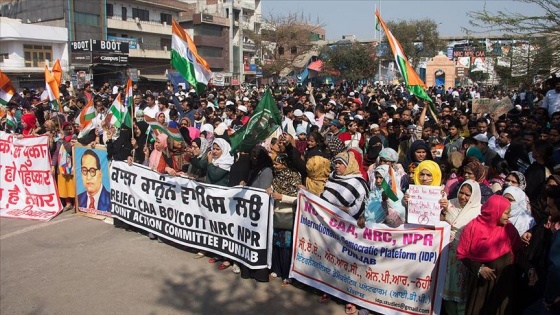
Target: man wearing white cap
(482, 145)
(241, 114)
(298, 120)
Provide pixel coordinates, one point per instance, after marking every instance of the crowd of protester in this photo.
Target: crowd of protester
(500, 176)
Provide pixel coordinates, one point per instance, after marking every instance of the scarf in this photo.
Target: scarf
(415, 146)
(458, 216)
(30, 120)
(431, 167)
(484, 239)
(203, 145)
(520, 217)
(520, 179)
(226, 159)
(155, 156)
(478, 170)
(286, 181)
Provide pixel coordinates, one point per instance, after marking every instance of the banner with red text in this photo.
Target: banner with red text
(27, 187)
(386, 270)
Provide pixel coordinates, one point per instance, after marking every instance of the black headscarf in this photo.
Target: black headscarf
(260, 159)
(141, 141)
(415, 146)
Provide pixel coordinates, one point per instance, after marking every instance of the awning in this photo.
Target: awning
(316, 66)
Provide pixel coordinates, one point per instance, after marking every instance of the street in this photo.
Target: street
(80, 265)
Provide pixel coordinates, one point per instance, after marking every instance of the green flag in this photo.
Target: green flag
(264, 121)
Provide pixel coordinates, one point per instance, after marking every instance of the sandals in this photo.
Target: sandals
(198, 255)
(225, 265)
(324, 299)
(286, 282)
(350, 309)
(214, 260)
(272, 276)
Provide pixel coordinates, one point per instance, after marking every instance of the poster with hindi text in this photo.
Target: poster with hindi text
(27, 186)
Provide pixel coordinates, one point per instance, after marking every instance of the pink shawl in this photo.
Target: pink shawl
(155, 156)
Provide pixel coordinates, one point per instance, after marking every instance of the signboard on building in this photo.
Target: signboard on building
(132, 42)
(109, 46)
(80, 57)
(80, 45)
(108, 58)
(468, 51)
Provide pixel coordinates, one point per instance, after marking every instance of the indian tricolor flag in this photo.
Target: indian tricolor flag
(51, 87)
(7, 90)
(120, 115)
(185, 59)
(158, 128)
(84, 119)
(129, 101)
(414, 84)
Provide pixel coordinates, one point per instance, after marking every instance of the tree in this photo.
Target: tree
(546, 26)
(286, 43)
(418, 38)
(351, 61)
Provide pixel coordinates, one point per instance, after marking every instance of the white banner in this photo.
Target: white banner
(232, 222)
(386, 270)
(27, 187)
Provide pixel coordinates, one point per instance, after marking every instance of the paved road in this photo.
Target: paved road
(78, 265)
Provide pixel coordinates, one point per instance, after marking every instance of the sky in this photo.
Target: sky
(351, 17)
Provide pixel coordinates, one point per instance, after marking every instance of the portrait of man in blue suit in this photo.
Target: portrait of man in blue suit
(95, 196)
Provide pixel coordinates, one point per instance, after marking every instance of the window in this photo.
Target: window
(143, 15)
(109, 9)
(165, 42)
(209, 52)
(293, 50)
(4, 56)
(281, 51)
(124, 13)
(35, 55)
(166, 18)
(86, 18)
(208, 30)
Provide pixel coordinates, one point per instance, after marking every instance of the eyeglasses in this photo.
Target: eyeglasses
(92, 171)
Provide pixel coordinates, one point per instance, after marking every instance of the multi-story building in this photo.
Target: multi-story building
(216, 27)
(25, 49)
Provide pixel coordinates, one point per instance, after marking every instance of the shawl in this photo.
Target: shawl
(520, 217)
(260, 159)
(318, 169)
(286, 181)
(475, 152)
(226, 159)
(458, 217)
(359, 159)
(393, 212)
(335, 146)
(156, 154)
(203, 145)
(348, 190)
(478, 170)
(431, 167)
(484, 239)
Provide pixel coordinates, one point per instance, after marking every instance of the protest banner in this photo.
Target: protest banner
(232, 222)
(27, 187)
(91, 174)
(492, 106)
(423, 204)
(386, 270)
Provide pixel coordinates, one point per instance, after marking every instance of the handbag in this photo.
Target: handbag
(284, 218)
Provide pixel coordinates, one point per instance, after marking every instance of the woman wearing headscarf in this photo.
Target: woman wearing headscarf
(198, 152)
(284, 192)
(208, 131)
(28, 122)
(520, 216)
(487, 247)
(397, 174)
(427, 173)
(473, 169)
(261, 177)
(139, 141)
(418, 152)
(458, 213)
(359, 159)
(218, 163)
(374, 146)
(317, 164)
(379, 207)
(345, 187)
(160, 160)
(119, 145)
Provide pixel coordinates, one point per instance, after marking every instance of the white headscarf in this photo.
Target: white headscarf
(520, 217)
(459, 216)
(226, 159)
